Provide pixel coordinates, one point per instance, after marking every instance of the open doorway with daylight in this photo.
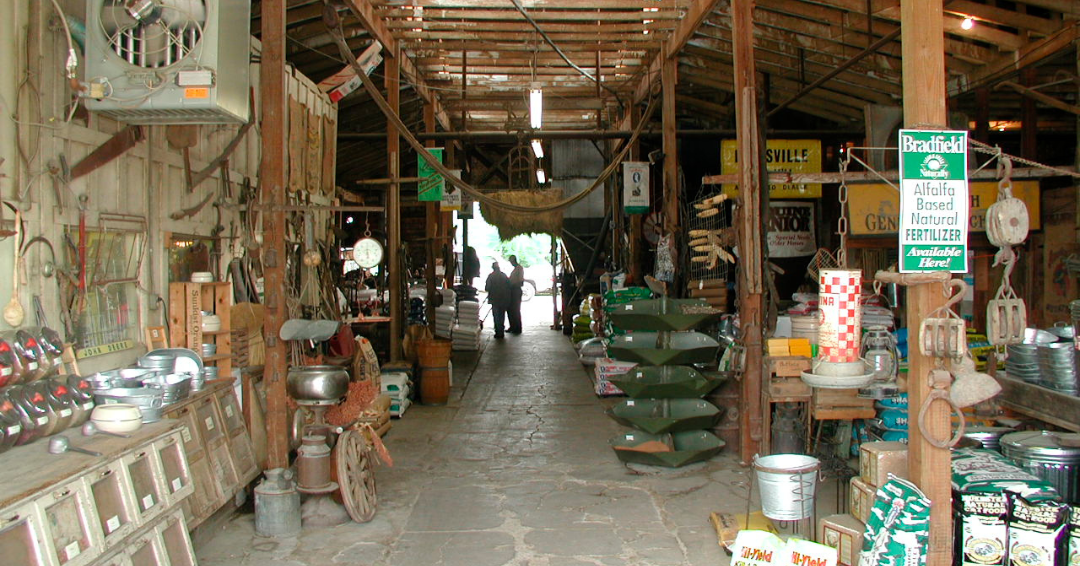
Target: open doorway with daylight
(532, 251)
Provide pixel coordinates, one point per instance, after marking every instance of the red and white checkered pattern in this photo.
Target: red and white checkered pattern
(840, 330)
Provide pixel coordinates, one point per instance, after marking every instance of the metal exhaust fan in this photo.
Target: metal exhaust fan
(168, 61)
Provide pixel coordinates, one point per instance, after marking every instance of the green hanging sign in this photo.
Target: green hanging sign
(933, 201)
(430, 186)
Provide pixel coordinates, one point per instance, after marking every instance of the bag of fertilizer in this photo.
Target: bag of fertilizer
(808, 553)
(757, 548)
(898, 531)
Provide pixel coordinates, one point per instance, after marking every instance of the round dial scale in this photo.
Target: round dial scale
(367, 252)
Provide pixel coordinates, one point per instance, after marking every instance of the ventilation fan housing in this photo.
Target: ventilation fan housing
(169, 61)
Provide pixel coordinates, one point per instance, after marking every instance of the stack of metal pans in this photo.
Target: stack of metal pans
(1058, 364)
(1074, 311)
(1023, 359)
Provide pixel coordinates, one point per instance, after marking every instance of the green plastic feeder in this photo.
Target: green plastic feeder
(659, 416)
(683, 348)
(666, 382)
(687, 448)
(663, 314)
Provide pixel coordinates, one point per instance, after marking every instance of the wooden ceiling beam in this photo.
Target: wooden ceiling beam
(1004, 40)
(812, 105)
(1066, 7)
(559, 38)
(427, 49)
(512, 15)
(365, 12)
(540, 4)
(1001, 16)
(520, 104)
(784, 85)
(1009, 64)
(859, 77)
(688, 26)
(523, 27)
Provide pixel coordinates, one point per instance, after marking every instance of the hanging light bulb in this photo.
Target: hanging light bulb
(538, 149)
(968, 23)
(541, 177)
(536, 107)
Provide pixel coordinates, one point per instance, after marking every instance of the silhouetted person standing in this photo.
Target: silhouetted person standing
(470, 266)
(517, 278)
(499, 297)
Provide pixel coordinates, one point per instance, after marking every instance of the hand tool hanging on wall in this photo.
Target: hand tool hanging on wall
(184, 137)
(115, 147)
(13, 311)
(61, 179)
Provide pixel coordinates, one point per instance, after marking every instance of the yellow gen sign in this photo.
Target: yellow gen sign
(781, 156)
(875, 208)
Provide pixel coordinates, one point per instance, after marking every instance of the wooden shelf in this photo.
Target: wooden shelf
(187, 302)
(1038, 402)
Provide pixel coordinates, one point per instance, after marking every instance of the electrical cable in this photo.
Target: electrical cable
(333, 23)
(560, 52)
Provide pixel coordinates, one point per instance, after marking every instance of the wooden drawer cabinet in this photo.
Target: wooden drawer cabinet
(218, 449)
(22, 536)
(114, 500)
(113, 510)
(72, 536)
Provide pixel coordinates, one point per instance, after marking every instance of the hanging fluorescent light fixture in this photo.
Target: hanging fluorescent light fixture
(541, 177)
(538, 149)
(536, 107)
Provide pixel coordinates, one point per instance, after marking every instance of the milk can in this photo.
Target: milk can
(277, 505)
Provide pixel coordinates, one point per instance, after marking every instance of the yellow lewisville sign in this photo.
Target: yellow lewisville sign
(875, 208)
(781, 156)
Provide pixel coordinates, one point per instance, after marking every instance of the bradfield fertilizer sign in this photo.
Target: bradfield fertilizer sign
(933, 201)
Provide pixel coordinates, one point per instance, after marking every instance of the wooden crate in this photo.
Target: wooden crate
(841, 404)
(787, 389)
(788, 366)
(187, 301)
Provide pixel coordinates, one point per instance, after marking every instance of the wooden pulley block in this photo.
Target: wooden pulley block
(1007, 222)
(1006, 320)
(943, 337)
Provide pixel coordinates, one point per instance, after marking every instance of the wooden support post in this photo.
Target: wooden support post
(392, 72)
(752, 199)
(922, 44)
(272, 174)
(431, 228)
(636, 220)
(1029, 116)
(669, 145)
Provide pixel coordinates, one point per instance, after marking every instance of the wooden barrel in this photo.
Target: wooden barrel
(434, 353)
(434, 385)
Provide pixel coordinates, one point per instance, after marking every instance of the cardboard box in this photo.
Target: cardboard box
(879, 459)
(861, 499)
(344, 82)
(844, 533)
(788, 366)
(728, 525)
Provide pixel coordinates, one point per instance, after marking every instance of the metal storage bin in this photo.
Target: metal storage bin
(1042, 454)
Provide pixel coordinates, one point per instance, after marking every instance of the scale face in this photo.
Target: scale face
(367, 252)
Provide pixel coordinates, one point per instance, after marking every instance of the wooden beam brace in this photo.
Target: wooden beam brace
(1008, 65)
(688, 26)
(364, 10)
(1040, 97)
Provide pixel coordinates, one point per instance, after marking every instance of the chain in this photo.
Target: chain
(842, 222)
(981, 147)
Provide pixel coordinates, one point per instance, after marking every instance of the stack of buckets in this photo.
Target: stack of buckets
(434, 360)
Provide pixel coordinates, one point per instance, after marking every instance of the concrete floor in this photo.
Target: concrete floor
(515, 470)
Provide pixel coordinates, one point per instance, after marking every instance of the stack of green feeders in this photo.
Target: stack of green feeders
(665, 404)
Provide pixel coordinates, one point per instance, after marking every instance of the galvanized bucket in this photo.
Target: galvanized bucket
(787, 484)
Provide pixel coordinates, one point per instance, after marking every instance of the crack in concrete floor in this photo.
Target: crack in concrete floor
(473, 486)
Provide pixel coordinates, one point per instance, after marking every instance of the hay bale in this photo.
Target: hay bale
(512, 223)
